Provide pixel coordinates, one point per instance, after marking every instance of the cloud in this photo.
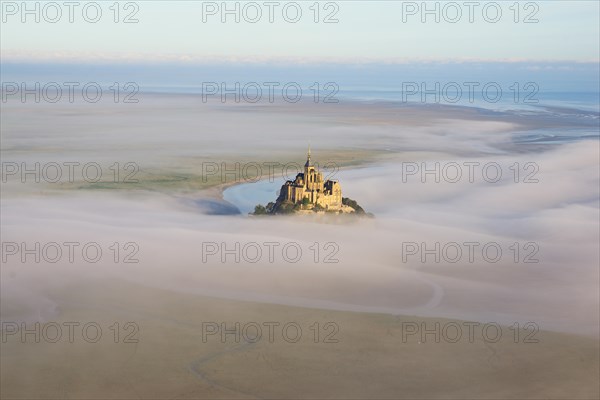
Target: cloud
(559, 216)
(18, 55)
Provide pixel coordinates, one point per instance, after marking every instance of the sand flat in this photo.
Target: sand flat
(368, 295)
(171, 360)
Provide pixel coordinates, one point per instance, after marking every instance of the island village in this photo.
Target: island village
(309, 193)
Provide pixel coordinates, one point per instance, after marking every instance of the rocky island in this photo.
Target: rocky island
(309, 193)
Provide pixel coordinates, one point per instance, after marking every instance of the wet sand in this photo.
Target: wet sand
(171, 359)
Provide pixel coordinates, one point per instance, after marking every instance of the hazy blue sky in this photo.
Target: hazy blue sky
(365, 31)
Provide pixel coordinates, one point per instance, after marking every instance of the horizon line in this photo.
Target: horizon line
(16, 56)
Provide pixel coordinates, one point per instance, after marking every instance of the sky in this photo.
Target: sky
(355, 32)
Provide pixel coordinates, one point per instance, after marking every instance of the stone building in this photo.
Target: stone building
(310, 190)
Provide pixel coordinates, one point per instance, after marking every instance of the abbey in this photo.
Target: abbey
(311, 191)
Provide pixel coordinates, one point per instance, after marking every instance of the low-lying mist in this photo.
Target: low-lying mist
(430, 250)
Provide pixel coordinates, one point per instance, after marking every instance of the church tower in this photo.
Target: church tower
(308, 167)
(312, 178)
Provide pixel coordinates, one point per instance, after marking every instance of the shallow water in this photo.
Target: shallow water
(246, 196)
